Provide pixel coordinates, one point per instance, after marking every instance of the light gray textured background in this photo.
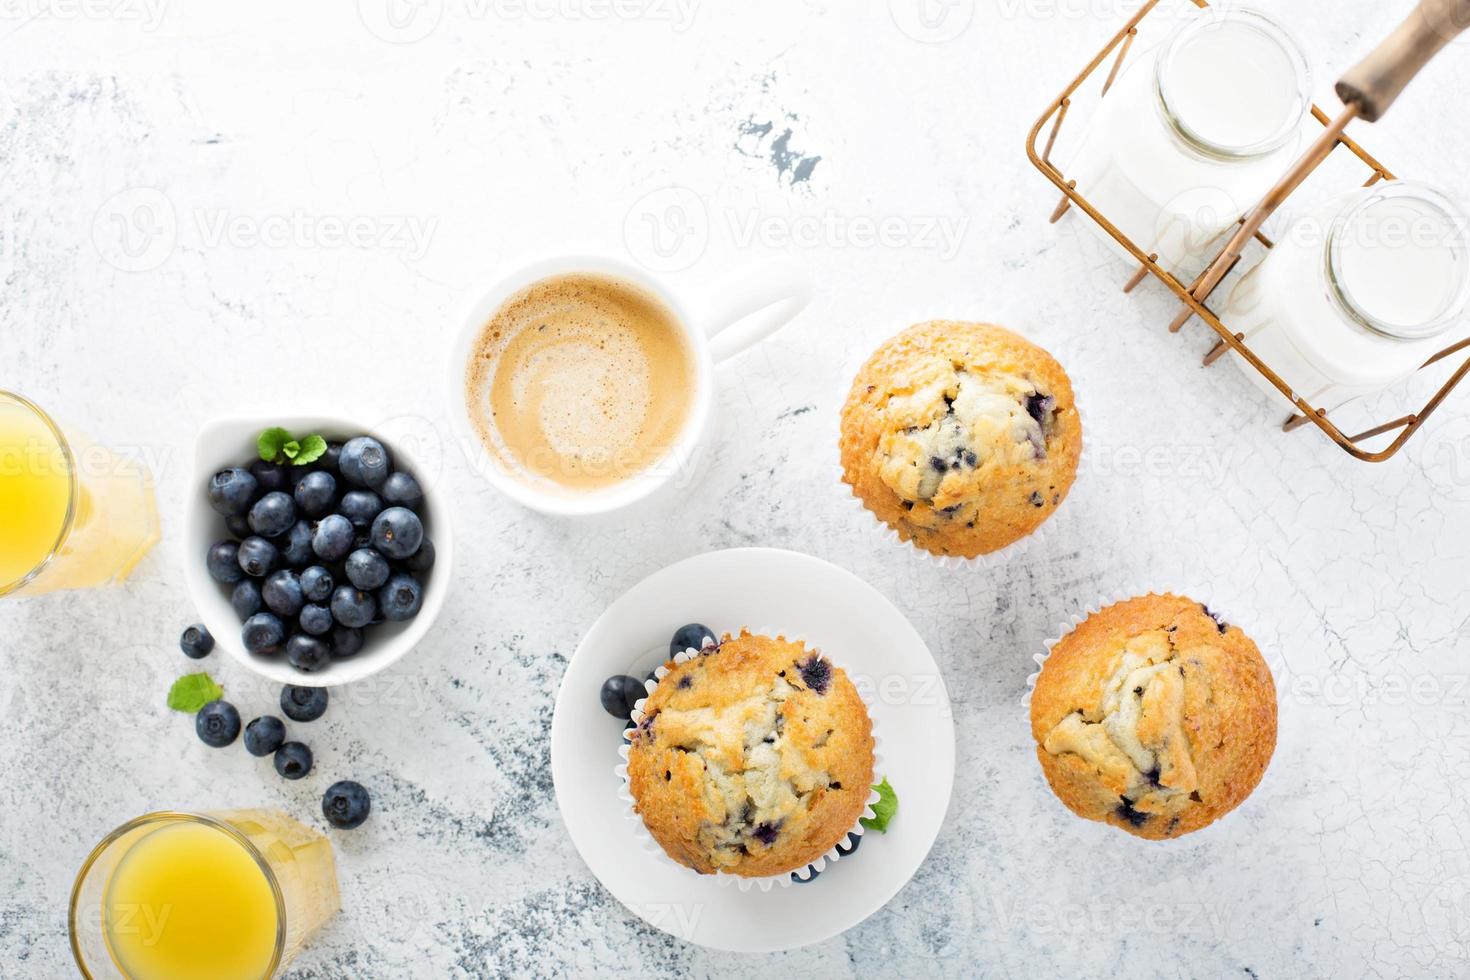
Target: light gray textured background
(145, 152)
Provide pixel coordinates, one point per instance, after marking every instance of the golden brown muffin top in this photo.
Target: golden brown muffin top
(962, 437)
(1154, 716)
(753, 758)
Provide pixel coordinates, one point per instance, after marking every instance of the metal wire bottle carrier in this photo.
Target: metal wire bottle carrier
(1366, 91)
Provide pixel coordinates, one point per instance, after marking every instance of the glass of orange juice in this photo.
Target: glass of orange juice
(73, 514)
(229, 895)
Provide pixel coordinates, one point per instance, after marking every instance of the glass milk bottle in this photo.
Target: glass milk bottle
(1188, 140)
(1356, 295)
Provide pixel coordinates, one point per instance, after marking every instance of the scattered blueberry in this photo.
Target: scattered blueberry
(317, 584)
(264, 735)
(303, 703)
(315, 493)
(691, 637)
(196, 642)
(346, 805)
(400, 599)
(316, 619)
(346, 642)
(421, 560)
(307, 652)
(353, 607)
(293, 760)
(223, 562)
(246, 599)
(619, 693)
(270, 476)
(360, 507)
(397, 532)
(238, 525)
(367, 569)
(273, 514)
(296, 546)
(364, 462)
(217, 724)
(258, 557)
(332, 539)
(282, 593)
(402, 489)
(232, 490)
(263, 633)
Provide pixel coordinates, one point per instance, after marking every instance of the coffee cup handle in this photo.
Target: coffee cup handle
(750, 305)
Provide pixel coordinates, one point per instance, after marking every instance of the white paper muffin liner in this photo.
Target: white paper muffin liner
(1220, 600)
(890, 536)
(784, 880)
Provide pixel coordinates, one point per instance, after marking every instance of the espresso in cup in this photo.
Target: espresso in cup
(580, 381)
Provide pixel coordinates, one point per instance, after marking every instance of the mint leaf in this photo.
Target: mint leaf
(291, 448)
(312, 449)
(271, 442)
(192, 692)
(883, 810)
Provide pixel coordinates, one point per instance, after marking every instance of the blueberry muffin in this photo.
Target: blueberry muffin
(962, 437)
(754, 758)
(1154, 716)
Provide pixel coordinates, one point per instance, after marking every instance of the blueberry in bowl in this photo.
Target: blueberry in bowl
(324, 553)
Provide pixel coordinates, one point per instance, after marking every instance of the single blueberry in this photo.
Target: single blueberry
(421, 560)
(232, 490)
(695, 636)
(295, 547)
(332, 539)
(264, 735)
(1037, 405)
(282, 593)
(360, 507)
(317, 584)
(364, 461)
(196, 642)
(402, 489)
(330, 459)
(258, 557)
(346, 805)
(307, 652)
(316, 619)
(397, 532)
(315, 494)
(766, 833)
(263, 634)
(367, 569)
(223, 562)
(353, 607)
(303, 703)
(619, 693)
(293, 760)
(271, 476)
(816, 673)
(273, 514)
(346, 642)
(239, 525)
(217, 724)
(1136, 818)
(399, 599)
(246, 599)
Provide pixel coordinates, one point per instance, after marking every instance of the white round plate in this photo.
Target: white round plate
(832, 610)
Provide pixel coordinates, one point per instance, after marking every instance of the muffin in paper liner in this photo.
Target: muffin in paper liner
(766, 883)
(1015, 356)
(1138, 782)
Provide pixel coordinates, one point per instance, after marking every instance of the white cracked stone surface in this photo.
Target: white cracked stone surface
(211, 208)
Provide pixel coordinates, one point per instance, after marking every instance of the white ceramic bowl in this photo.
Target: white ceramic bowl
(231, 442)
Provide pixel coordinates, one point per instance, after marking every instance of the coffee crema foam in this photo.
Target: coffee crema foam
(581, 381)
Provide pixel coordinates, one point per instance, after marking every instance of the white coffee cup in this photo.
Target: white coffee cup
(719, 323)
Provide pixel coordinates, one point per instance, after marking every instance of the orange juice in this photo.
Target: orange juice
(35, 491)
(73, 514)
(188, 901)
